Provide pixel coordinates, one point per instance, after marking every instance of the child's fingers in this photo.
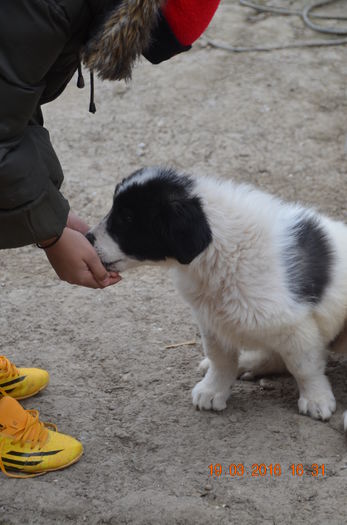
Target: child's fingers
(113, 280)
(114, 274)
(88, 280)
(98, 270)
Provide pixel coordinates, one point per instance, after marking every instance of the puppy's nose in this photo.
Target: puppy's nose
(91, 238)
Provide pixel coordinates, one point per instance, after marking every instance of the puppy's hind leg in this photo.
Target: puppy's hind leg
(214, 390)
(259, 363)
(204, 365)
(304, 354)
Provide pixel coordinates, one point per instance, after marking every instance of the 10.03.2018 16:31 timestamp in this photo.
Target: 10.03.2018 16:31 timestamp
(261, 470)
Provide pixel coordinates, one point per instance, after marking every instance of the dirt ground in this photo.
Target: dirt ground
(273, 119)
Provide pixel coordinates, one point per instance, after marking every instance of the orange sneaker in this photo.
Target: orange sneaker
(29, 446)
(21, 383)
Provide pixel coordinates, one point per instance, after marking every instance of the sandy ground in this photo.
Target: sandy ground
(272, 119)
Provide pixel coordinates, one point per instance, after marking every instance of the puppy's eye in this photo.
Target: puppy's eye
(124, 215)
(127, 217)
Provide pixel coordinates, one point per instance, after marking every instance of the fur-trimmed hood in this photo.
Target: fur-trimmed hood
(120, 37)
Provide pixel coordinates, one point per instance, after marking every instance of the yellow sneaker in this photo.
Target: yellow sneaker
(29, 446)
(21, 383)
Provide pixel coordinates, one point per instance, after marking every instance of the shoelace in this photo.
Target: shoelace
(7, 369)
(34, 431)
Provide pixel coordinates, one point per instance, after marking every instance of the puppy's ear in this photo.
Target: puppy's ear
(186, 232)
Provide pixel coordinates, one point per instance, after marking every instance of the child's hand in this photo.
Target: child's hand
(77, 224)
(76, 262)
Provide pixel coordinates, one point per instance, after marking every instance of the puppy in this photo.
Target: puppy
(258, 273)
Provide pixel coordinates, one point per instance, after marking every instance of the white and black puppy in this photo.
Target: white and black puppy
(259, 274)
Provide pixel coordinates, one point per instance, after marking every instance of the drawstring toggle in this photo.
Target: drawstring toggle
(92, 107)
(80, 79)
(81, 84)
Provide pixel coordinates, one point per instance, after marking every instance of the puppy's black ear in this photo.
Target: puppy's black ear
(186, 232)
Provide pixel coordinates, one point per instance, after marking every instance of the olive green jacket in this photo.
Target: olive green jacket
(41, 42)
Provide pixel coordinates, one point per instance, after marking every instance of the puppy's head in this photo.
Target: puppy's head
(155, 216)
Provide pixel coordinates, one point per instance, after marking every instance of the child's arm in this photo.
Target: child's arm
(31, 207)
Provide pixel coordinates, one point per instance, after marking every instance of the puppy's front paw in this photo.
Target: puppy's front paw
(207, 397)
(320, 408)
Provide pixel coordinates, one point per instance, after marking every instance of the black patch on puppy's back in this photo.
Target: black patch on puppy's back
(308, 260)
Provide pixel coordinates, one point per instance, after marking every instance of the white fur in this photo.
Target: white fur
(238, 291)
(141, 177)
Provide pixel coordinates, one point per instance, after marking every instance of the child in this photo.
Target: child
(41, 44)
